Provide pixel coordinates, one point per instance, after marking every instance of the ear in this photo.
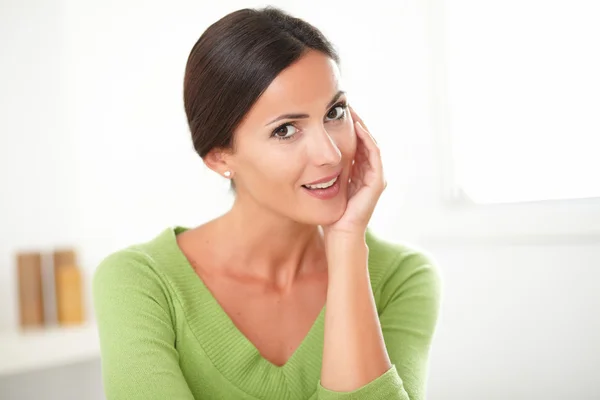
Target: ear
(218, 160)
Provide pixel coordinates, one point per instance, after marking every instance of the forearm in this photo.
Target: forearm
(354, 352)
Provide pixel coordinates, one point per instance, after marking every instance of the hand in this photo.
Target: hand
(366, 184)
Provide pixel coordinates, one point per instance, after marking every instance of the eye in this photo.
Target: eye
(283, 132)
(337, 112)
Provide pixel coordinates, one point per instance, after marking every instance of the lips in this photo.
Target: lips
(323, 185)
(325, 193)
(323, 180)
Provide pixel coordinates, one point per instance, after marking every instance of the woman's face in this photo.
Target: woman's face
(298, 132)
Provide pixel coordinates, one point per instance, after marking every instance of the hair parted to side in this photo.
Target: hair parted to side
(232, 64)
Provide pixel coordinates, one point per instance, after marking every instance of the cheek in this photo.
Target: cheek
(276, 168)
(346, 141)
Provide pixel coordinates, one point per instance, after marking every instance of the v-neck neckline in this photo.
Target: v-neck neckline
(232, 353)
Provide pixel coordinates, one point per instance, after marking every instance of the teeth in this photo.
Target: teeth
(322, 185)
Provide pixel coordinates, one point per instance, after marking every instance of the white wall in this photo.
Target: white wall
(519, 322)
(38, 191)
(95, 151)
(73, 382)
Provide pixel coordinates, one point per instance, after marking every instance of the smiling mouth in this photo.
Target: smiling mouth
(323, 185)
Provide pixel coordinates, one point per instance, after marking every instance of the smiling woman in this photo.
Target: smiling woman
(288, 295)
(297, 131)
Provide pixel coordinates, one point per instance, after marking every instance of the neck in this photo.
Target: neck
(267, 246)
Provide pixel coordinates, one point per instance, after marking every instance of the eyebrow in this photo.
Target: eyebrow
(299, 116)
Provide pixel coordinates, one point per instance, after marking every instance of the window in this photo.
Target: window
(522, 81)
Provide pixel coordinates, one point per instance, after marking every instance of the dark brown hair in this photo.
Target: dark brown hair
(233, 63)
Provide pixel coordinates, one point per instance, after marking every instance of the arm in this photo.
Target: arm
(137, 338)
(409, 321)
(354, 351)
(411, 301)
(360, 360)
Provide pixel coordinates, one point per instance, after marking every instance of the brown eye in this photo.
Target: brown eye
(337, 112)
(284, 131)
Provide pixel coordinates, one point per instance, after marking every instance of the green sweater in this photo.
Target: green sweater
(164, 336)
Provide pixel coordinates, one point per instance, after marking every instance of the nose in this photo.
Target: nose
(323, 149)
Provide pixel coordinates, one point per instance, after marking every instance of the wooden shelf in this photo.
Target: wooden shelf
(32, 350)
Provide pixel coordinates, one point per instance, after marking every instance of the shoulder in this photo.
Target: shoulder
(395, 266)
(131, 260)
(136, 267)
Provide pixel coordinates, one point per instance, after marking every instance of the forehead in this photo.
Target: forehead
(304, 86)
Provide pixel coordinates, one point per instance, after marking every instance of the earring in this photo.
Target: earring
(227, 173)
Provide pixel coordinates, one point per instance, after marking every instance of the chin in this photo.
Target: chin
(329, 216)
(322, 212)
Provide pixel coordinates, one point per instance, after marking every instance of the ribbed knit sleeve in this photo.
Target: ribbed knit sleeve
(137, 337)
(409, 296)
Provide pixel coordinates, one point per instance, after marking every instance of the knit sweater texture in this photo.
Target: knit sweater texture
(164, 336)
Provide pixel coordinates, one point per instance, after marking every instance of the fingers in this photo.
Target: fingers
(368, 140)
(355, 118)
(371, 151)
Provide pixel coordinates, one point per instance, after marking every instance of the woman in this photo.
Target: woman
(287, 295)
